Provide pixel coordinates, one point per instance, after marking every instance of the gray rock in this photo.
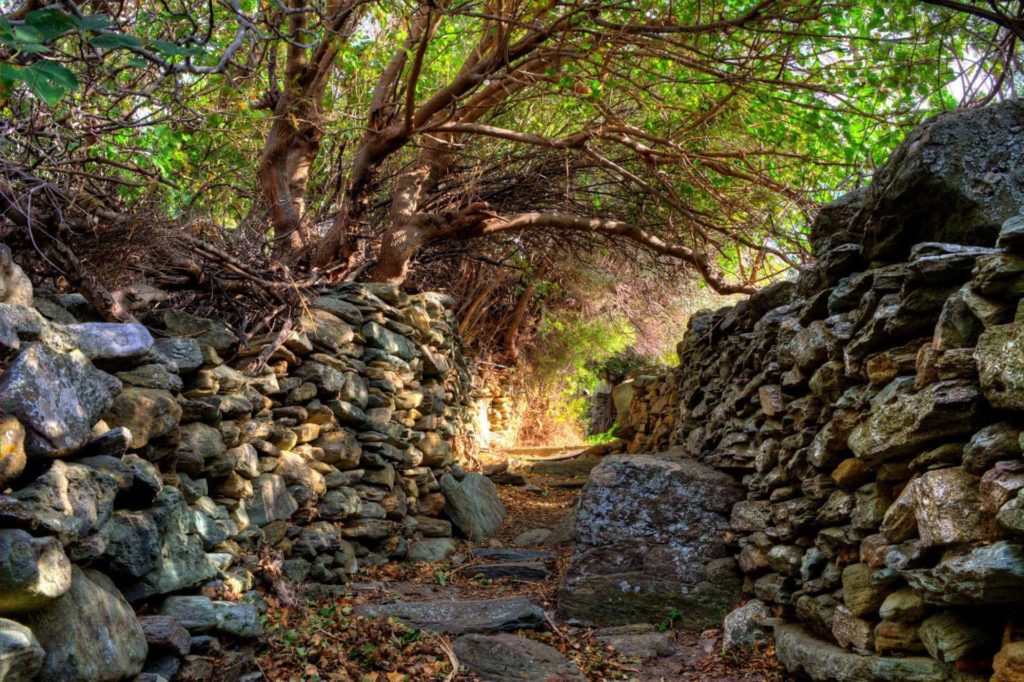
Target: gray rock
(460, 617)
(949, 636)
(1000, 366)
(902, 422)
(21, 657)
(473, 505)
(379, 337)
(58, 397)
(643, 641)
(326, 329)
(509, 658)
(110, 340)
(186, 354)
(953, 179)
(991, 574)
(271, 500)
(153, 375)
(799, 651)
(650, 538)
(340, 503)
(181, 560)
(534, 536)
(525, 571)
(743, 625)
(15, 286)
(195, 613)
(69, 500)
(237, 618)
(948, 509)
(431, 550)
(991, 444)
(33, 571)
(90, 634)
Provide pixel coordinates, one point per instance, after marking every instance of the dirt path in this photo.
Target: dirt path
(311, 647)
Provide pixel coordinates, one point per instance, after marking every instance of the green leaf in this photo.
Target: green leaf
(49, 23)
(49, 81)
(113, 41)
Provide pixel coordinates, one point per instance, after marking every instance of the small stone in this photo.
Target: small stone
(949, 636)
(852, 632)
(21, 657)
(165, 633)
(743, 626)
(899, 637)
(860, 596)
(110, 340)
(146, 412)
(852, 473)
(903, 606)
(432, 550)
(473, 505)
(12, 450)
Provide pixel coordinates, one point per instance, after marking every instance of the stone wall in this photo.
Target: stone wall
(168, 469)
(872, 409)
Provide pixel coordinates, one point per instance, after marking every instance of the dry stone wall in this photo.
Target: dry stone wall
(872, 409)
(161, 469)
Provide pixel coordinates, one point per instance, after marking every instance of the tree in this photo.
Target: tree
(398, 132)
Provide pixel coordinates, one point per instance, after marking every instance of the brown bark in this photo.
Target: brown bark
(292, 144)
(519, 312)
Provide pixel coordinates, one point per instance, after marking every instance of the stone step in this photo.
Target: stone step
(457, 617)
(568, 468)
(508, 658)
(801, 651)
(506, 554)
(522, 570)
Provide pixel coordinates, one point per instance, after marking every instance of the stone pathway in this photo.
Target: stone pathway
(497, 601)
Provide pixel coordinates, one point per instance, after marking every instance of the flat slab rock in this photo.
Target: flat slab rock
(505, 554)
(801, 651)
(517, 570)
(508, 658)
(461, 617)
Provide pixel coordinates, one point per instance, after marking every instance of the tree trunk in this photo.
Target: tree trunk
(289, 152)
(522, 305)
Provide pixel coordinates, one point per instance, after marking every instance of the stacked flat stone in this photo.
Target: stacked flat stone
(872, 409)
(142, 465)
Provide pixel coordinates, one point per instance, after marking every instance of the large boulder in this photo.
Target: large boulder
(651, 536)
(903, 421)
(21, 657)
(955, 178)
(173, 544)
(57, 396)
(33, 571)
(473, 505)
(90, 634)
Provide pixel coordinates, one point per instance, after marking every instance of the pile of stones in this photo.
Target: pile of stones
(167, 470)
(872, 409)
